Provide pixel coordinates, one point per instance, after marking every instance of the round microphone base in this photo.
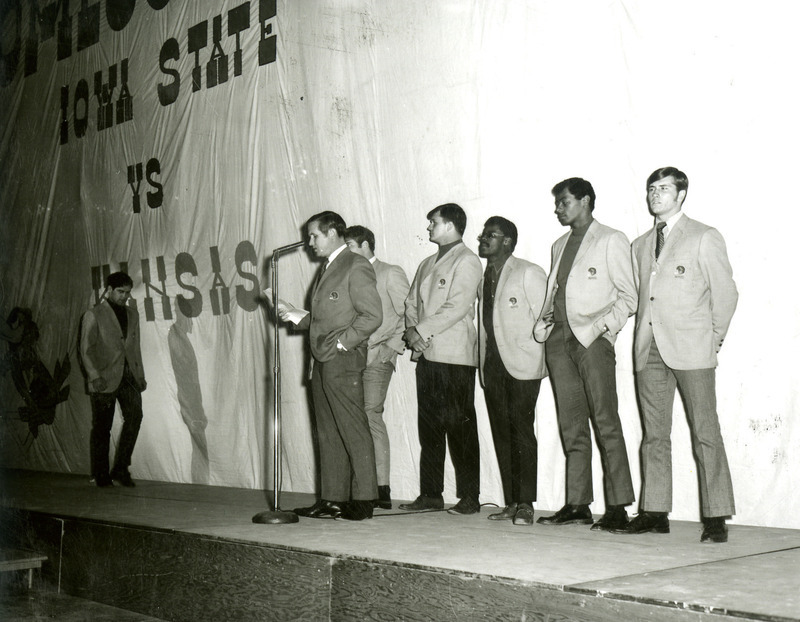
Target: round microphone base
(275, 517)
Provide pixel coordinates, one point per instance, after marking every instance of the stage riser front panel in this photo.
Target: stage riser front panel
(192, 578)
(363, 591)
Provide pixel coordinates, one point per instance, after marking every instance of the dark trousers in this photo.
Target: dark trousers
(446, 415)
(512, 409)
(346, 452)
(585, 385)
(103, 406)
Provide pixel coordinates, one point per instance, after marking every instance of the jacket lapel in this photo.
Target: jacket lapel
(673, 239)
(320, 275)
(381, 274)
(650, 245)
(425, 272)
(110, 317)
(333, 265)
(505, 274)
(588, 240)
(445, 264)
(562, 244)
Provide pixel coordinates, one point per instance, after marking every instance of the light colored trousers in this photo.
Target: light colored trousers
(376, 383)
(655, 385)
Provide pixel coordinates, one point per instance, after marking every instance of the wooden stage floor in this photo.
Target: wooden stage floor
(586, 575)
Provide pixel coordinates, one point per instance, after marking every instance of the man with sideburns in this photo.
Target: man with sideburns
(687, 298)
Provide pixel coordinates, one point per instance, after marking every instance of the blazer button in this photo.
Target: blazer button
(652, 298)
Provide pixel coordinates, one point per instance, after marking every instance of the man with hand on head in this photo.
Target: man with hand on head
(510, 299)
(111, 359)
(687, 297)
(590, 295)
(440, 329)
(345, 311)
(382, 349)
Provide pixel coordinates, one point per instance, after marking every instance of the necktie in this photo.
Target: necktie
(319, 275)
(660, 237)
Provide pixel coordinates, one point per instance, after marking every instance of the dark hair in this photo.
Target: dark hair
(359, 235)
(577, 187)
(508, 228)
(118, 279)
(681, 180)
(328, 220)
(450, 212)
(21, 315)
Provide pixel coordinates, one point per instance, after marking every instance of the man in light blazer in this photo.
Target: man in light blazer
(382, 349)
(510, 298)
(440, 329)
(687, 298)
(345, 311)
(111, 359)
(590, 295)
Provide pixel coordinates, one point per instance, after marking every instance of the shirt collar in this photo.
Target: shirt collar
(671, 221)
(497, 269)
(336, 253)
(373, 259)
(579, 231)
(446, 247)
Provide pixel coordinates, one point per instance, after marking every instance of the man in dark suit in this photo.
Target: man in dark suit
(687, 297)
(382, 349)
(111, 359)
(345, 311)
(510, 299)
(440, 328)
(590, 295)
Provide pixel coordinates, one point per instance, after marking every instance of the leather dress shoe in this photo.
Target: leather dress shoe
(321, 509)
(465, 506)
(356, 510)
(714, 530)
(123, 477)
(423, 504)
(103, 481)
(615, 518)
(645, 522)
(384, 500)
(507, 513)
(524, 515)
(569, 515)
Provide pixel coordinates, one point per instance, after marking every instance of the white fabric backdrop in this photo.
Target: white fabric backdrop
(381, 111)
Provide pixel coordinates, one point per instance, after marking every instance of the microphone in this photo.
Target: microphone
(288, 247)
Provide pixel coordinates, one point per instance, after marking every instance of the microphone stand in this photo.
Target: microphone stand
(276, 516)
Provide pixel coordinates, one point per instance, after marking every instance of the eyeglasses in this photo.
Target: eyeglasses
(487, 238)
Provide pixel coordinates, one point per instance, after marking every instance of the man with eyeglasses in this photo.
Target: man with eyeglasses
(440, 329)
(687, 298)
(590, 295)
(512, 364)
